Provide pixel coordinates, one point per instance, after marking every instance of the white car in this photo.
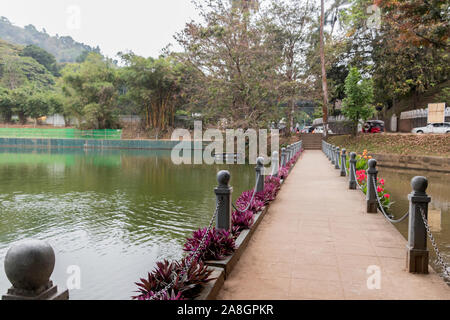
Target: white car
(320, 130)
(438, 127)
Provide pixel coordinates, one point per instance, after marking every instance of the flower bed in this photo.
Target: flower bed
(362, 165)
(219, 248)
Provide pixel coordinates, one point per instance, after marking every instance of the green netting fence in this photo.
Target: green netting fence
(106, 134)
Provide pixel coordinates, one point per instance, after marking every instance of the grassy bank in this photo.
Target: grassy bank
(403, 144)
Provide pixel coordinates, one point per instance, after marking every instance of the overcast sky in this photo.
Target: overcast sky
(143, 26)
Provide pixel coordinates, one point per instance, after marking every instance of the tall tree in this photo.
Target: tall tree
(291, 23)
(153, 86)
(91, 89)
(359, 98)
(324, 71)
(234, 63)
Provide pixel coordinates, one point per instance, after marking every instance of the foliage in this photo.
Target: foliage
(419, 22)
(271, 187)
(406, 52)
(359, 97)
(242, 221)
(91, 91)
(41, 56)
(153, 86)
(234, 62)
(283, 173)
(219, 244)
(187, 286)
(16, 70)
(244, 199)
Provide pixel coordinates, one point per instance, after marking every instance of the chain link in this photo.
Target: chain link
(439, 258)
(251, 200)
(192, 257)
(387, 216)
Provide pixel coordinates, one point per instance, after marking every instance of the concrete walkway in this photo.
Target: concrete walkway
(317, 242)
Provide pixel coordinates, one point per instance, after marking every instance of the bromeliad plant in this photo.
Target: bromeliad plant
(187, 285)
(242, 221)
(218, 244)
(244, 199)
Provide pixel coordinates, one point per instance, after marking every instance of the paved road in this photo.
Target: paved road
(317, 242)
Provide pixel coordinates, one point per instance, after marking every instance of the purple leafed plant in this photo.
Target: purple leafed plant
(186, 286)
(283, 172)
(244, 199)
(163, 296)
(270, 192)
(218, 244)
(242, 221)
(274, 180)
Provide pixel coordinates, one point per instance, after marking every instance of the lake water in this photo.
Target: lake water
(398, 183)
(111, 213)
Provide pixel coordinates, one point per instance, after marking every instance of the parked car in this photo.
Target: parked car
(373, 126)
(307, 129)
(320, 130)
(438, 127)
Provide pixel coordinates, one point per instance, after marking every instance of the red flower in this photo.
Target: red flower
(387, 195)
(380, 189)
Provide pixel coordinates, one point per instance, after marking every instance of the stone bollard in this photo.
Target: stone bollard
(338, 155)
(260, 174)
(223, 200)
(328, 151)
(371, 195)
(287, 154)
(28, 266)
(333, 155)
(344, 163)
(417, 258)
(283, 157)
(275, 164)
(352, 169)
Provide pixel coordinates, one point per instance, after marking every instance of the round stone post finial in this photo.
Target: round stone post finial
(419, 184)
(372, 163)
(260, 161)
(223, 178)
(353, 155)
(344, 151)
(29, 265)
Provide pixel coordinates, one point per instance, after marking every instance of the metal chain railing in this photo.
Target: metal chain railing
(251, 200)
(191, 258)
(387, 216)
(439, 258)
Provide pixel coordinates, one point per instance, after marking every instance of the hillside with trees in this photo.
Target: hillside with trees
(63, 48)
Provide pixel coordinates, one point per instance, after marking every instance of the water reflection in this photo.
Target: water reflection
(112, 213)
(399, 185)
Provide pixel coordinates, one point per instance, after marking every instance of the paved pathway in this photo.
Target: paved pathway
(316, 242)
